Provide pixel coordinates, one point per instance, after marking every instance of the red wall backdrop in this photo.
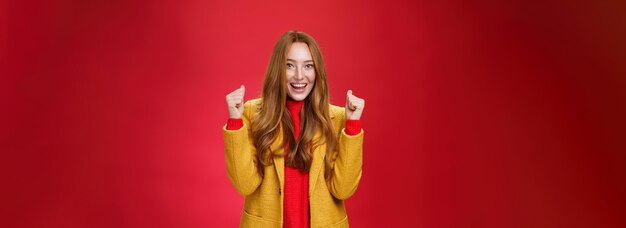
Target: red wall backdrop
(482, 114)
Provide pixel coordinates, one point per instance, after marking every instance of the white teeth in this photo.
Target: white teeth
(300, 85)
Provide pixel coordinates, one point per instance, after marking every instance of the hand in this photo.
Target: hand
(234, 100)
(354, 106)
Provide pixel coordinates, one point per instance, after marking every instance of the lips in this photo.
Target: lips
(298, 85)
(299, 88)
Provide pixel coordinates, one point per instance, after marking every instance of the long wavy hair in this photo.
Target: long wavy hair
(272, 116)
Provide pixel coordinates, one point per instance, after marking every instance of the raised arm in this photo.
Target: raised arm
(240, 152)
(347, 170)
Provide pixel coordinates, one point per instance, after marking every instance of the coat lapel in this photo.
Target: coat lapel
(279, 161)
(318, 161)
(316, 165)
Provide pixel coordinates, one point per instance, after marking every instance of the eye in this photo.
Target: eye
(309, 66)
(289, 65)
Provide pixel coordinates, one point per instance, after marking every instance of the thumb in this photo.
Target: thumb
(348, 96)
(348, 106)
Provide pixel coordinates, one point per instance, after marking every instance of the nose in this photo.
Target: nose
(299, 74)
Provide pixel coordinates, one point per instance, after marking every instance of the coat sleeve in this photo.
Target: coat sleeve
(241, 155)
(346, 172)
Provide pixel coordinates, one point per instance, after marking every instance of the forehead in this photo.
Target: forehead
(299, 51)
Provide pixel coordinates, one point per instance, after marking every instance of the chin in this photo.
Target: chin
(299, 97)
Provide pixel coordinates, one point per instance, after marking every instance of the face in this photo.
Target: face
(300, 71)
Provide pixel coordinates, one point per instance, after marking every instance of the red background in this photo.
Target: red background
(483, 114)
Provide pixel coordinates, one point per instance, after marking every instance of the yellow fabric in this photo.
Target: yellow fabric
(263, 195)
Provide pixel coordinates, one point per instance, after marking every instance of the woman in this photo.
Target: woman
(292, 155)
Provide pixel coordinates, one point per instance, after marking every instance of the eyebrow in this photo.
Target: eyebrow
(297, 61)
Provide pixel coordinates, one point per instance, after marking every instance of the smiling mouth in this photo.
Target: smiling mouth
(298, 85)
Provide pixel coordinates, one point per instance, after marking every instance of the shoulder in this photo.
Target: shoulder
(251, 107)
(337, 116)
(256, 103)
(336, 111)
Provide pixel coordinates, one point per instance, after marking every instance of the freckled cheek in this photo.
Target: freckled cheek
(289, 74)
(310, 75)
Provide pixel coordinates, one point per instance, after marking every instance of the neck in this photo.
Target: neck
(294, 106)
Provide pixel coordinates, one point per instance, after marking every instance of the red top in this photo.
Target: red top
(296, 201)
(296, 198)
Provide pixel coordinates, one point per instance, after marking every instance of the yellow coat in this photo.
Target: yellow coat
(263, 195)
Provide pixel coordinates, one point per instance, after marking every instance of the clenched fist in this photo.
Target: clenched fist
(234, 100)
(354, 106)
